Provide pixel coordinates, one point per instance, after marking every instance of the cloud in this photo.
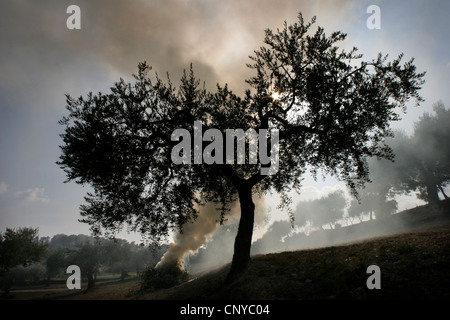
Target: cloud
(3, 187)
(33, 195)
(115, 35)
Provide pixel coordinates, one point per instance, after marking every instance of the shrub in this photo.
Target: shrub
(165, 277)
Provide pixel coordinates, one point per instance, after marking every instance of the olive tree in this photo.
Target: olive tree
(312, 105)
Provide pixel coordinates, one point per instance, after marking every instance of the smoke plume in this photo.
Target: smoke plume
(197, 233)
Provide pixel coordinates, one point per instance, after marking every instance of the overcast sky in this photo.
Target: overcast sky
(41, 60)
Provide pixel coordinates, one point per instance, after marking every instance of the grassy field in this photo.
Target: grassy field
(414, 265)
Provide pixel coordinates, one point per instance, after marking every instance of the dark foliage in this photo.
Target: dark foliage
(167, 277)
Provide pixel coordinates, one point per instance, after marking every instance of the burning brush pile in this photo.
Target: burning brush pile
(171, 271)
(161, 278)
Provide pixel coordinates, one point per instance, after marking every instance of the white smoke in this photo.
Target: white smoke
(197, 233)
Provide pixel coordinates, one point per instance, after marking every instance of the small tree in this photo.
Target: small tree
(117, 255)
(425, 164)
(56, 262)
(19, 247)
(377, 196)
(330, 109)
(372, 202)
(88, 257)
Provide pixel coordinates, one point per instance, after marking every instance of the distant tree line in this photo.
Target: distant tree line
(26, 258)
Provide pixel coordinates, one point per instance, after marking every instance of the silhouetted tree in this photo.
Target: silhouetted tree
(19, 247)
(332, 110)
(423, 159)
(430, 139)
(372, 201)
(377, 196)
(117, 254)
(88, 257)
(56, 262)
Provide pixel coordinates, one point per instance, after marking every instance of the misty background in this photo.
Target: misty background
(41, 60)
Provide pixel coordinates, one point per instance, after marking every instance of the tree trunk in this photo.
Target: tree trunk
(90, 278)
(7, 284)
(432, 193)
(123, 274)
(443, 193)
(243, 241)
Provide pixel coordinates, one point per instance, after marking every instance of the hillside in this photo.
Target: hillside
(414, 265)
